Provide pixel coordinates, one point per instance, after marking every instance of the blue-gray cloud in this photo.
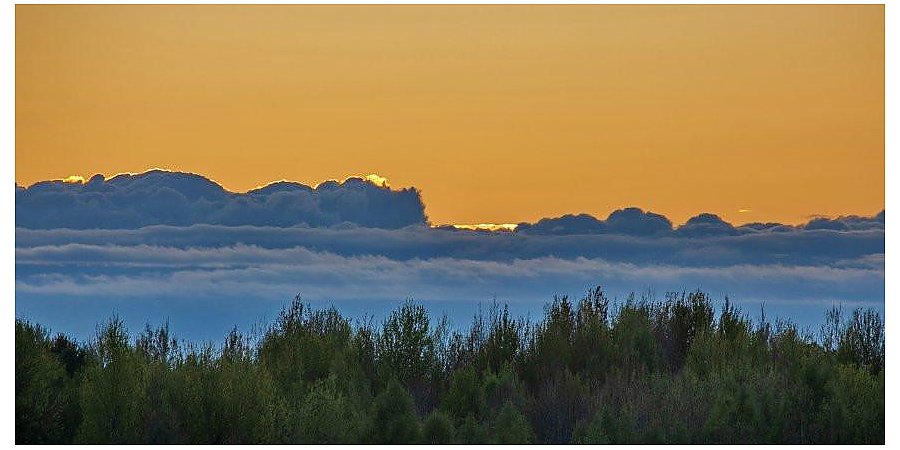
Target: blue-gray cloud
(208, 290)
(796, 246)
(847, 223)
(141, 271)
(176, 238)
(160, 197)
(628, 221)
(636, 222)
(705, 225)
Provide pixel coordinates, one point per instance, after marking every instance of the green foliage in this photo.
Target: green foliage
(326, 417)
(511, 427)
(634, 344)
(862, 342)
(854, 411)
(560, 401)
(464, 396)
(393, 419)
(501, 345)
(46, 397)
(643, 372)
(471, 431)
(438, 429)
(406, 348)
(304, 345)
(594, 431)
(113, 391)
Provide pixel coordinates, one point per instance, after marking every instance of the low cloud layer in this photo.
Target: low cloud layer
(356, 262)
(205, 291)
(142, 271)
(164, 245)
(160, 197)
(636, 222)
(795, 246)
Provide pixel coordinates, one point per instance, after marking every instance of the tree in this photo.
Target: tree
(863, 340)
(510, 427)
(406, 348)
(464, 395)
(470, 431)
(393, 418)
(45, 398)
(326, 417)
(113, 390)
(649, 372)
(438, 429)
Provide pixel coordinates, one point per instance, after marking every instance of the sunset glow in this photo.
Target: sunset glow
(497, 114)
(487, 226)
(73, 179)
(377, 180)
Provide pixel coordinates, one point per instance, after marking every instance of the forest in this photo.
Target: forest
(588, 371)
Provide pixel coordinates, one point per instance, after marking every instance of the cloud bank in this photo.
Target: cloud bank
(636, 222)
(797, 246)
(207, 290)
(159, 197)
(142, 271)
(163, 245)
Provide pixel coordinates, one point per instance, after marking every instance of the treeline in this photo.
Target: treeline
(674, 371)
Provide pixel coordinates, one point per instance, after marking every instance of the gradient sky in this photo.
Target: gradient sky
(497, 113)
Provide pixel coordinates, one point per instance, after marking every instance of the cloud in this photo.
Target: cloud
(628, 221)
(250, 279)
(705, 225)
(146, 270)
(159, 197)
(797, 246)
(212, 277)
(567, 224)
(171, 242)
(846, 223)
(774, 227)
(636, 222)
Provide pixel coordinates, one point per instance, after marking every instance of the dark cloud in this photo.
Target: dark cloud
(767, 226)
(217, 271)
(634, 221)
(567, 224)
(628, 221)
(798, 246)
(159, 197)
(706, 225)
(172, 198)
(826, 224)
(847, 223)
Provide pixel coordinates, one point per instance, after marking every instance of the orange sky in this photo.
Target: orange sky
(497, 113)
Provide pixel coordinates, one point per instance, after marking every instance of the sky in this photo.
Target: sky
(496, 114)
